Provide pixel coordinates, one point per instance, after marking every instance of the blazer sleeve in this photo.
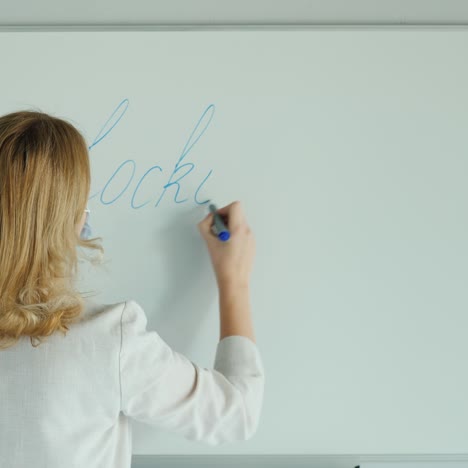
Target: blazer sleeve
(161, 387)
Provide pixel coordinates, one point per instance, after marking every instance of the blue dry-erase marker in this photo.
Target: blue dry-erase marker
(219, 228)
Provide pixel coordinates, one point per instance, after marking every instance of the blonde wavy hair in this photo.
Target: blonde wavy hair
(45, 181)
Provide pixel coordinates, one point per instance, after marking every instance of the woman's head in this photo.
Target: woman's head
(44, 187)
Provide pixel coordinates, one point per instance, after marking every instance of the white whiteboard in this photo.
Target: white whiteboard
(349, 150)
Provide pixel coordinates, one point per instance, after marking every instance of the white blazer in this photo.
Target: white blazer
(69, 401)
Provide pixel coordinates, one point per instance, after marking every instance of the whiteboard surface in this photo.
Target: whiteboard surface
(348, 150)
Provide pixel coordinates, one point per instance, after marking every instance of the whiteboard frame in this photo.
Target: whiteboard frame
(282, 460)
(234, 27)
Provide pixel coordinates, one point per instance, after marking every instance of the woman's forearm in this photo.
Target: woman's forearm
(235, 311)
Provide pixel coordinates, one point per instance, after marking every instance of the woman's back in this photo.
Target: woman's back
(70, 400)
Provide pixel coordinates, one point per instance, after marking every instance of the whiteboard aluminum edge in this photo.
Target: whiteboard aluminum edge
(233, 27)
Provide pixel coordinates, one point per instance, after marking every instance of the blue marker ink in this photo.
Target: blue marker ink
(198, 189)
(100, 137)
(113, 175)
(181, 169)
(138, 185)
(219, 228)
(185, 151)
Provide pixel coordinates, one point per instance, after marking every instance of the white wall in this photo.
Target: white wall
(137, 12)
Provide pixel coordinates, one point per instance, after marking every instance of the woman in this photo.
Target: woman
(67, 400)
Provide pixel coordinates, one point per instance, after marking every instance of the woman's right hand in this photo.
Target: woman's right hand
(232, 260)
